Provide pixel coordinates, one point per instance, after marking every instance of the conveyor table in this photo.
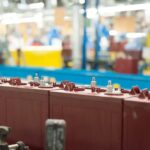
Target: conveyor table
(25, 110)
(94, 121)
(136, 124)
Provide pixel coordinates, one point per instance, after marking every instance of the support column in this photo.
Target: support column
(76, 38)
(98, 38)
(84, 44)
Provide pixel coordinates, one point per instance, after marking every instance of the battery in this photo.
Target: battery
(55, 134)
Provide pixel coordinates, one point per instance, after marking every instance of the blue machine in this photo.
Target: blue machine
(100, 31)
(79, 76)
(85, 38)
(52, 34)
(98, 37)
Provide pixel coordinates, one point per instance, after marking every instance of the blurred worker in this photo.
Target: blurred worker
(20, 60)
(54, 37)
(4, 53)
(37, 41)
(19, 53)
(1, 52)
(66, 52)
(16, 43)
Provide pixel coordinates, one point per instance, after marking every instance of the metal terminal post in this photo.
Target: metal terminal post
(4, 131)
(55, 134)
(109, 87)
(36, 78)
(93, 82)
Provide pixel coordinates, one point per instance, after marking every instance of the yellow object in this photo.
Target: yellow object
(146, 71)
(116, 86)
(113, 55)
(39, 57)
(147, 42)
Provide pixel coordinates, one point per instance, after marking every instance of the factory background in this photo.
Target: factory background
(99, 35)
(74, 74)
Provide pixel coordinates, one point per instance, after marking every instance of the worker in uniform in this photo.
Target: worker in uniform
(66, 52)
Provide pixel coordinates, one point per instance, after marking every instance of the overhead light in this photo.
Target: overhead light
(128, 35)
(22, 6)
(82, 11)
(53, 2)
(5, 3)
(121, 8)
(67, 18)
(91, 13)
(81, 1)
(19, 20)
(9, 15)
(112, 32)
(31, 6)
(136, 35)
(36, 5)
(51, 18)
(110, 11)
